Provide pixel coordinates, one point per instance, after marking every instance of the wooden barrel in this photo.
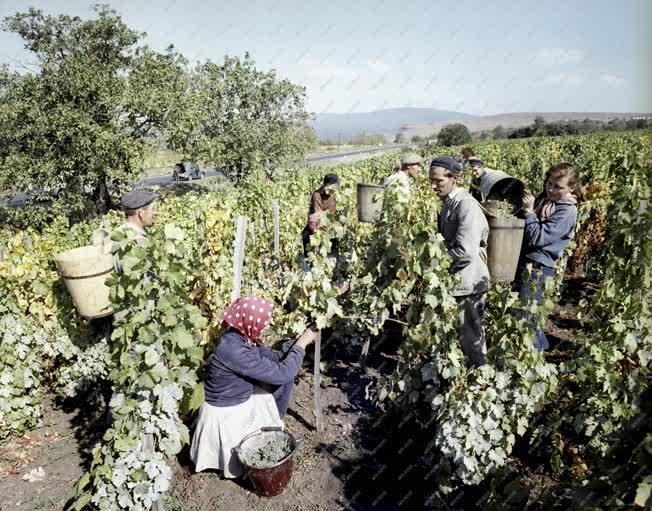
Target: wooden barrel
(84, 271)
(370, 202)
(504, 246)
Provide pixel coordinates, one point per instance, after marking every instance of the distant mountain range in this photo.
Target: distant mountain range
(329, 126)
(425, 121)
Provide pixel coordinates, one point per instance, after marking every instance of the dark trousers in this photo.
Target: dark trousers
(471, 310)
(532, 287)
(282, 396)
(305, 240)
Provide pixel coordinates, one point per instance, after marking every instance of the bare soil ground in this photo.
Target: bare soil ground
(353, 463)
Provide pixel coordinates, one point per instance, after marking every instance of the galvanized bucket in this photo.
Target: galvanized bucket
(370, 202)
(496, 185)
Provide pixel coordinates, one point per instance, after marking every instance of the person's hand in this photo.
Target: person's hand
(528, 201)
(342, 288)
(307, 337)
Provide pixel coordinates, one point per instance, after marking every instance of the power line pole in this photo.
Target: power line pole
(339, 139)
(363, 137)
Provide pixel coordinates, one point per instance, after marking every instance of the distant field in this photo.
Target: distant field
(162, 158)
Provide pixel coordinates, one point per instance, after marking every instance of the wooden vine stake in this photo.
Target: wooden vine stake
(317, 381)
(277, 225)
(238, 255)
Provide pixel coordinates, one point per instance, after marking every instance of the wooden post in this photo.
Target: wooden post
(277, 224)
(148, 447)
(317, 381)
(238, 255)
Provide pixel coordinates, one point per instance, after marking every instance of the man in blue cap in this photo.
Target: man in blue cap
(465, 231)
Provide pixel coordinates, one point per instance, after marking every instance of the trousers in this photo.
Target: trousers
(471, 315)
(282, 396)
(533, 286)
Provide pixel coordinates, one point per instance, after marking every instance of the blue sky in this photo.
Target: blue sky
(479, 57)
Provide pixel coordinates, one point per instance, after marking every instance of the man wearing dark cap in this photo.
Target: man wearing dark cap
(465, 231)
(139, 207)
(399, 181)
(322, 200)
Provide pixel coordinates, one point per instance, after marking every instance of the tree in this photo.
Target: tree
(400, 138)
(416, 139)
(454, 134)
(242, 120)
(82, 120)
(499, 132)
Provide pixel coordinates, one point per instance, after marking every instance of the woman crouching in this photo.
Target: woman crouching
(247, 387)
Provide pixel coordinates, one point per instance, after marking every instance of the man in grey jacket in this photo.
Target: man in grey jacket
(465, 231)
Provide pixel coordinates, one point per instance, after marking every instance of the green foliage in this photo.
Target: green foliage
(21, 365)
(398, 271)
(454, 134)
(80, 122)
(242, 120)
(155, 357)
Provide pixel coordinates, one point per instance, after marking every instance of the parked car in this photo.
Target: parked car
(187, 171)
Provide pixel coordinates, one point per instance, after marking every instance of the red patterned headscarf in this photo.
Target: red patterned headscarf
(249, 316)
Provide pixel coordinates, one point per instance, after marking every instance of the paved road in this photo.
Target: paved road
(167, 180)
(19, 199)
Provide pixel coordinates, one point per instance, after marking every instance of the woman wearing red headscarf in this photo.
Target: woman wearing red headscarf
(247, 386)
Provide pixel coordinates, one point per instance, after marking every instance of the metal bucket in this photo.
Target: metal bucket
(84, 271)
(269, 476)
(496, 185)
(370, 202)
(503, 245)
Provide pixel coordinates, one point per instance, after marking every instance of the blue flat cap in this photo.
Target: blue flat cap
(137, 199)
(448, 163)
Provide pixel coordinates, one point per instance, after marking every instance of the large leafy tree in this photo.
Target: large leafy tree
(454, 134)
(82, 120)
(243, 121)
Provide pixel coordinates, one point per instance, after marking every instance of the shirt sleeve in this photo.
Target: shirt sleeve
(543, 233)
(278, 355)
(253, 364)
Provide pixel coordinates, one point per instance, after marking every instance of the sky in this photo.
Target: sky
(478, 57)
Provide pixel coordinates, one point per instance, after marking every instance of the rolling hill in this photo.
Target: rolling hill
(425, 121)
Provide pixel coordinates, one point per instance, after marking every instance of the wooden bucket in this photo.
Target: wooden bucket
(84, 271)
(504, 246)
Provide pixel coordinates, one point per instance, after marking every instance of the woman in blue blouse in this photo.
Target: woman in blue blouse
(247, 386)
(549, 226)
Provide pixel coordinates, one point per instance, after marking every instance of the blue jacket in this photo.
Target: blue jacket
(236, 367)
(545, 240)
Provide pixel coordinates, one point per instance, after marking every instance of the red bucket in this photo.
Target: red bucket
(268, 457)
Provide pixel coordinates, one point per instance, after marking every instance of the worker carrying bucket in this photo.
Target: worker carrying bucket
(489, 184)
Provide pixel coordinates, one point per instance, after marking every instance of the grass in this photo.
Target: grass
(162, 158)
